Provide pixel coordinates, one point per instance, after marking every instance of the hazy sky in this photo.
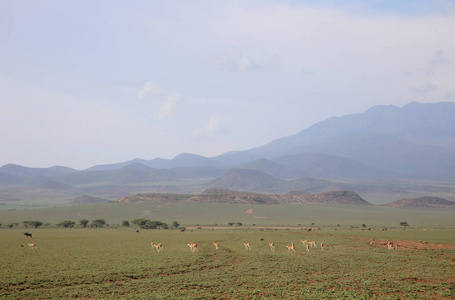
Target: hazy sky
(94, 82)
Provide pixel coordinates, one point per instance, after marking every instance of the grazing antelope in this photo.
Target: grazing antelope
(390, 246)
(159, 247)
(217, 245)
(272, 247)
(322, 245)
(193, 247)
(247, 246)
(304, 242)
(307, 246)
(312, 243)
(32, 245)
(372, 242)
(291, 248)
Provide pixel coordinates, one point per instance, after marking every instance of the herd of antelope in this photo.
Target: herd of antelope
(194, 247)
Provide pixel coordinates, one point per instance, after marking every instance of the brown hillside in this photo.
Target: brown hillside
(423, 202)
(87, 199)
(334, 197)
(143, 198)
(221, 195)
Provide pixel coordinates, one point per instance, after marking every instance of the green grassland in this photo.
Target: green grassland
(120, 264)
(221, 214)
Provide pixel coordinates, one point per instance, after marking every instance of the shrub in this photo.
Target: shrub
(66, 224)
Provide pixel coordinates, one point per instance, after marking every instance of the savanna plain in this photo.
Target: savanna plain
(120, 263)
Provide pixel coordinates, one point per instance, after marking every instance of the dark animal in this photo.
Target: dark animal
(137, 231)
(28, 234)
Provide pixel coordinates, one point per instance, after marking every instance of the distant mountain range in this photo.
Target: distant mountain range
(415, 142)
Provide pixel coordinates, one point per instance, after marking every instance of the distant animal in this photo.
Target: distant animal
(312, 244)
(390, 246)
(21, 246)
(32, 245)
(247, 246)
(159, 247)
(217, 245)
(272, 247)
(28, 234)
(137, 231)
(322, 245)
(304, 241)
(261, 240)
(424, 242)
(291, 248)
(193, 247)
(182, 230)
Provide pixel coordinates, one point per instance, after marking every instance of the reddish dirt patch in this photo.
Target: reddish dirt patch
(407, 245)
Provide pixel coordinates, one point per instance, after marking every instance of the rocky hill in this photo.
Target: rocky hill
(87, 199)
(423, 202)
(332, 197)
(221, 195)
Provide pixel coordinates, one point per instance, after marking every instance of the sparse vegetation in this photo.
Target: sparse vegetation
(348, 267)
(98, 223)
(66, 224)
(83, 223)
(35, 224)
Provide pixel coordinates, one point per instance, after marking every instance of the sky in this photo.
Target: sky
(88, 82)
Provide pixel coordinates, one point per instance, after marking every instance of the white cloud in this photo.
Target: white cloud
(439, 59)
(426, 88)
(148, 88)
(164, 102)
(166, 107)
(214, 125)
(233, 60)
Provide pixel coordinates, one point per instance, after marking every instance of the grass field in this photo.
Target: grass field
(120, 264)
(221, 214)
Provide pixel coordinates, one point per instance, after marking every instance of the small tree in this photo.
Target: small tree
(35, 224)
(11, 225)
(238, 224)
(83, 223)
(98, 223)
(125, 223)
(140, 222)
(66, 224)
(175, 224)
(231, 223)
(404, 224)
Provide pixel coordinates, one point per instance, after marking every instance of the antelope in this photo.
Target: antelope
(32, 245)
(313, 244)
(390, 246)
(21, 246)
(272, 247)
(247, 246)
(291, 248)
(217, 245)
(424, 242)
(322, 246)
(307, 247)
(158, 247)
(371, 242)
(193, 247)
